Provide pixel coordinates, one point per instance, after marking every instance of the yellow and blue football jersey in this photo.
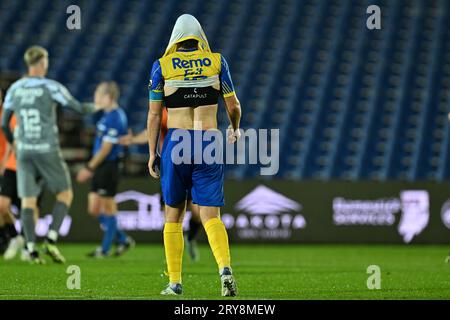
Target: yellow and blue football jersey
(200, 76)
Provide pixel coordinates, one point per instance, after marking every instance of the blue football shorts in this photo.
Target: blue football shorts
(202, 179)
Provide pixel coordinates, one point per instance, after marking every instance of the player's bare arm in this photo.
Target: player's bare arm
(67, 100)
(87, 172)
(234, 112)
(153, 128)
(140, 138)
(233, 107)
(129, 139)
(101, 155)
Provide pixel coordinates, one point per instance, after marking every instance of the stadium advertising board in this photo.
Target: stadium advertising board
(281, 211)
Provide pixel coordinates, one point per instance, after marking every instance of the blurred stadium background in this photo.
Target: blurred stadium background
(362, 113)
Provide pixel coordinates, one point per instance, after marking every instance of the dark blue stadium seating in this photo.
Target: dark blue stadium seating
(350, 103)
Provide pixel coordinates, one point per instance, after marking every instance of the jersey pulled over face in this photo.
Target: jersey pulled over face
(199, 77)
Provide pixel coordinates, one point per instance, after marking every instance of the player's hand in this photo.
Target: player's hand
(97, 101)
(153, 166)
(84, 175)
(127, 139)
(233, 135)
(448, 116)
(97, 106)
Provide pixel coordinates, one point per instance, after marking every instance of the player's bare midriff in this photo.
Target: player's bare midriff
(190, 118)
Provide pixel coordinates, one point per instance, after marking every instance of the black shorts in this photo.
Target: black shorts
(106, 179)
(8, 187)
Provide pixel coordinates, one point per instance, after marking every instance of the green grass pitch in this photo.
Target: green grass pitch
(262, 272)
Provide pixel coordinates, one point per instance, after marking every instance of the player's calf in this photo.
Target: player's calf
(5, 205)
(65, 197)
(192, 248)
(28, 225)
(194, 227)
(60, 210)
(4, 212)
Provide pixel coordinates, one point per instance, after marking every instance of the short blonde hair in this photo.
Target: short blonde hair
(34, 54)
(111, 88)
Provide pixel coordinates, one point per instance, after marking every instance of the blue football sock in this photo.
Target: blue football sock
(110, 232)
(121, 235)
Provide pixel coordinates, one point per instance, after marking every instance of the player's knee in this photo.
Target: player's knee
(175, 213)
(5, 204)
(29, 203)
(195, 212)
(65, 197)
(3, 210)
(208, 213)
(93, 206)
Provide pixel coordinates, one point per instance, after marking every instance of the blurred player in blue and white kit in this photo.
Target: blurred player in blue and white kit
(103, 168)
